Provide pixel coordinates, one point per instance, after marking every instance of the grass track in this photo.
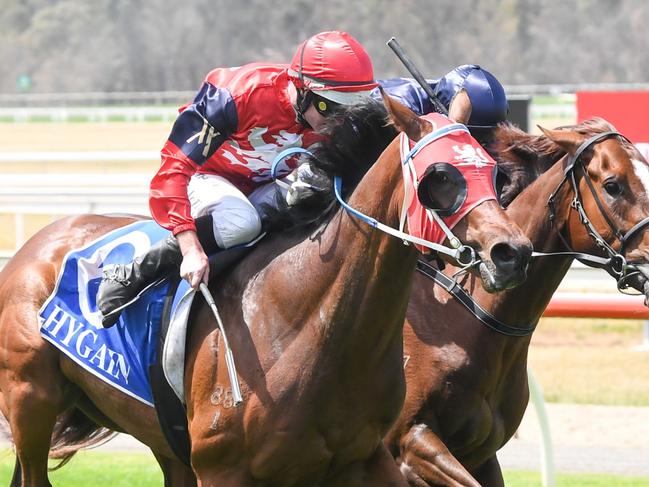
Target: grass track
(134, 469)
(533, 479)
(97, 469)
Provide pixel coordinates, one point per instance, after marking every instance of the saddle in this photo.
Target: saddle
(144, 354)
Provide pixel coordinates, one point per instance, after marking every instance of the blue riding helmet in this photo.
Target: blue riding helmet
(488, 101)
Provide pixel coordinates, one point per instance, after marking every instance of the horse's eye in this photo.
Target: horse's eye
(612, 187)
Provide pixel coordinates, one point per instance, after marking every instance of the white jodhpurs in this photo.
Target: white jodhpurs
(236, 218)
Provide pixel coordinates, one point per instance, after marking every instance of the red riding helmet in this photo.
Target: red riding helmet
(335, 66)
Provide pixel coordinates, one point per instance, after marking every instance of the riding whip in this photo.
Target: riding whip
(412, 69)
(229, 357)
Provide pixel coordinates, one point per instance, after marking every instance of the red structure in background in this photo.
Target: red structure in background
(627, 110)
(596, 305)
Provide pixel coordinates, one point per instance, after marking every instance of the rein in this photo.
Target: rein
(459, 293)
(456, 253)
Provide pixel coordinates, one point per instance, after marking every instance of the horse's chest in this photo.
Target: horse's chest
(478, 420)
(313, 432)
(308, 456)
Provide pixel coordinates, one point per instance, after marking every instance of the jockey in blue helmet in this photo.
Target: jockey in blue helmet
(489, 104)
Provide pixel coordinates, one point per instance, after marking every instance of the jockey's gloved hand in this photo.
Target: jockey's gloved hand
(309, 186)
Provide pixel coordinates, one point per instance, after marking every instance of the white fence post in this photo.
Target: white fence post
(548, 476)
(644, 346)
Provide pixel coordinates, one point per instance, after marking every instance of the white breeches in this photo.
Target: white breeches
(236, 218)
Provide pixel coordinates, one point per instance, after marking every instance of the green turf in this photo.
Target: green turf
(136, 469)
(566, 99)
(97, 469)
(533, 479)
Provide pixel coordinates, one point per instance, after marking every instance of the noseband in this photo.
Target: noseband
(616, 264)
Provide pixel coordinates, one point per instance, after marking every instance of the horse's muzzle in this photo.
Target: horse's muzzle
(507, 267)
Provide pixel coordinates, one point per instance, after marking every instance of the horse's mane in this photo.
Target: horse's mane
(354, 138)
(522, 157)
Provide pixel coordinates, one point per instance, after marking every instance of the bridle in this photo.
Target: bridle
(616, 264)
(465, 256)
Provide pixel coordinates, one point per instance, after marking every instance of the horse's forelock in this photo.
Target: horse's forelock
(590, 127)
(597, 125)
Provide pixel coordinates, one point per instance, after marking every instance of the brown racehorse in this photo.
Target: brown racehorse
(466, 383)
(316, 325)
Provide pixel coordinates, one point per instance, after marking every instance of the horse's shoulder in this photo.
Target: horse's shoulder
(269, 249)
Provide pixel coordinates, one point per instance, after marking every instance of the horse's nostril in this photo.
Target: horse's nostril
(504, 253)
(510, 255)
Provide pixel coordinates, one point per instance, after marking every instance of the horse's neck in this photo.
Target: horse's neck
(375, 270)
(352, 282)
(526, 303)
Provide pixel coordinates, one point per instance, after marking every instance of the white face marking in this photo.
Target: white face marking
(642, 171)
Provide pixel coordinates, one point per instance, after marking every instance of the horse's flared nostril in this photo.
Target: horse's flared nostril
(511, 257)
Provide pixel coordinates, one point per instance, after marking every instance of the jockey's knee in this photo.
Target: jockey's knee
(235, 226)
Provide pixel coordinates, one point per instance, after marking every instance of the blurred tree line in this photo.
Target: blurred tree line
(145, 45)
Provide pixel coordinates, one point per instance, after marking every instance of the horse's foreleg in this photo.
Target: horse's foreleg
(225, 477)
(489, 473)
(424, 460)
(176, 473)
(16, 479)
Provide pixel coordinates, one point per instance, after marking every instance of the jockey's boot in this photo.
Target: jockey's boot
(123, 282)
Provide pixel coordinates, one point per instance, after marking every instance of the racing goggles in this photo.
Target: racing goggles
(324, 106)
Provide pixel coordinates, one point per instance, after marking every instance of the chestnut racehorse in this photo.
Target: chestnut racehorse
(315, 322)
(467, 384)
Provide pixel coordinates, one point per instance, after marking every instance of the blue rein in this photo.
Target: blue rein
(283, 155)
(458, 254)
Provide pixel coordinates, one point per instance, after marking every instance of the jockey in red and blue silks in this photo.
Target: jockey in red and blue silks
(216, 165)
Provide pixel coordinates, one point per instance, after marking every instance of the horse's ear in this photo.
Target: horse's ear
(404, 119)
(460, 109)
(568, 140)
